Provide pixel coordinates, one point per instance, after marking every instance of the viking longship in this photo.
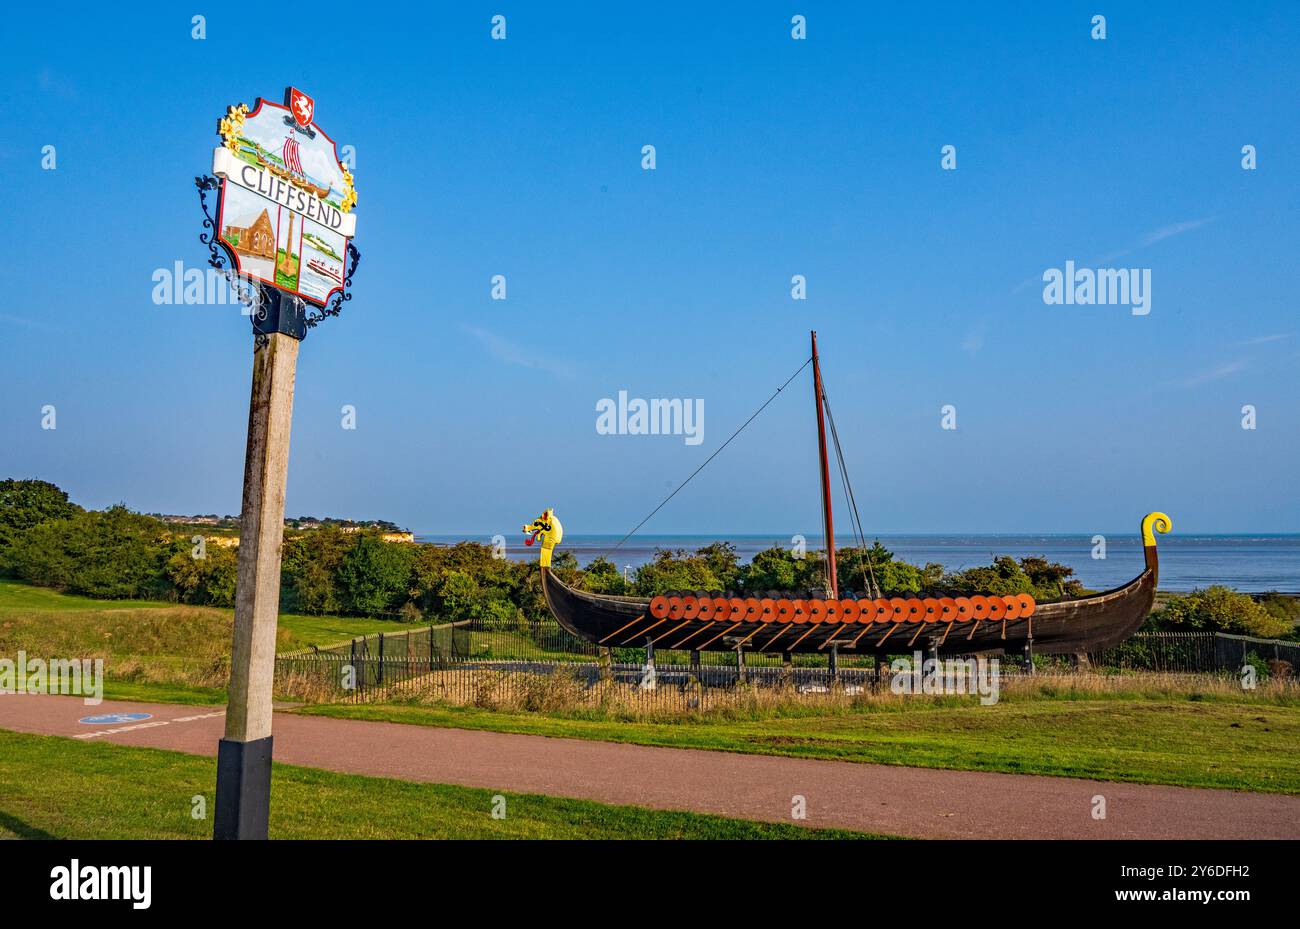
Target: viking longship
(290, 169)
(832, 620)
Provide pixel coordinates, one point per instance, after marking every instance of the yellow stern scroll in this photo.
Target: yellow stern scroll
(1157, 521)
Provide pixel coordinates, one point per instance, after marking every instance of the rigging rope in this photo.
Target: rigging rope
(856, 521)
(714, 455)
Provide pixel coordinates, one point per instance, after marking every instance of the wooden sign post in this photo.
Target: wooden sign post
(244, 755)
(284, 220)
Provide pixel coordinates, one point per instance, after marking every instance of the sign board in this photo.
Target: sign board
(285, 213)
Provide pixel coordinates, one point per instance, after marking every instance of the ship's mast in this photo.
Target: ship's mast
(832, 586)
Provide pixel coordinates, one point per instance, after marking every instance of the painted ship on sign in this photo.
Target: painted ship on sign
(326, 269)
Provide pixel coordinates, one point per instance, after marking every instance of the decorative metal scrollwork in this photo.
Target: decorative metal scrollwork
(244, 289)
(335, 305)
(248, 291)
(217, 258)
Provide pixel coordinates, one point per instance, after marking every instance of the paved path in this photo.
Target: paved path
(874, 798)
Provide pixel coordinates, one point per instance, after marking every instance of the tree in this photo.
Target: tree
(24, 504)
(674, 570)
(772, 569)
(309, 568)
(1037, 576)
(723, 563)
(603, 577)
(376, 574)
(898, 578)
(209, 580)
(457, 596)
(1052, 578)
(112, 554)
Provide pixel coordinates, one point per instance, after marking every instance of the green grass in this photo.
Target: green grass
(153, 651)
(1240, 746)
(306, 631)
(53, 787)
(15, 596)
(162, 692)
(514, 647)
(296, 631)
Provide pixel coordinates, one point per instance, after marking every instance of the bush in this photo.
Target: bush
(114, 554)
(1218, 609)
(25, 504)
(376, 574)
(675, 570)
(1283, 609)
(603, 577)
(1042, 579)
(209, 580)
(1262, 670)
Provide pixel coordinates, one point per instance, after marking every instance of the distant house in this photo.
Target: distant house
(387, 536)
(257, 240)
(189, 520)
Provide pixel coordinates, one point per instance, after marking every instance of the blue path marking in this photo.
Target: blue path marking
(113, 719)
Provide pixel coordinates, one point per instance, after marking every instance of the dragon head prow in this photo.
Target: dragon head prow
(548, 528)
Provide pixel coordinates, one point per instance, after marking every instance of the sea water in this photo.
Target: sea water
(1254, 563)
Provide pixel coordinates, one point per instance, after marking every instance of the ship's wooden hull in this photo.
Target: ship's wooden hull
(1062, 627)
(794, 624)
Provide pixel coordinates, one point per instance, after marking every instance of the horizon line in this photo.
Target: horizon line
(1007, 532)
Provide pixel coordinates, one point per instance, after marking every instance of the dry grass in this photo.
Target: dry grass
(567, 695)
(305, 687)
(179, 646)
(167, 650)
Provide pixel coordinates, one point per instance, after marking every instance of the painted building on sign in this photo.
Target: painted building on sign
(257, 239)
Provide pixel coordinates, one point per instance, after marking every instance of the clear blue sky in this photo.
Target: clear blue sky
(775, 157)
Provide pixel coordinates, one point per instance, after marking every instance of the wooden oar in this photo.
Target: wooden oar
(720, 635)
(811, 629)
(694, 634)
(785, 627)
(860, 635)
(636, 635)
(670, 631)
(620, 629)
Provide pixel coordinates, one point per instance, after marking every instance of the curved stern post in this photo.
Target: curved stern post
(1158, 522)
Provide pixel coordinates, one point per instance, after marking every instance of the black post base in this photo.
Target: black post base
(280, 312)
(243, 806)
